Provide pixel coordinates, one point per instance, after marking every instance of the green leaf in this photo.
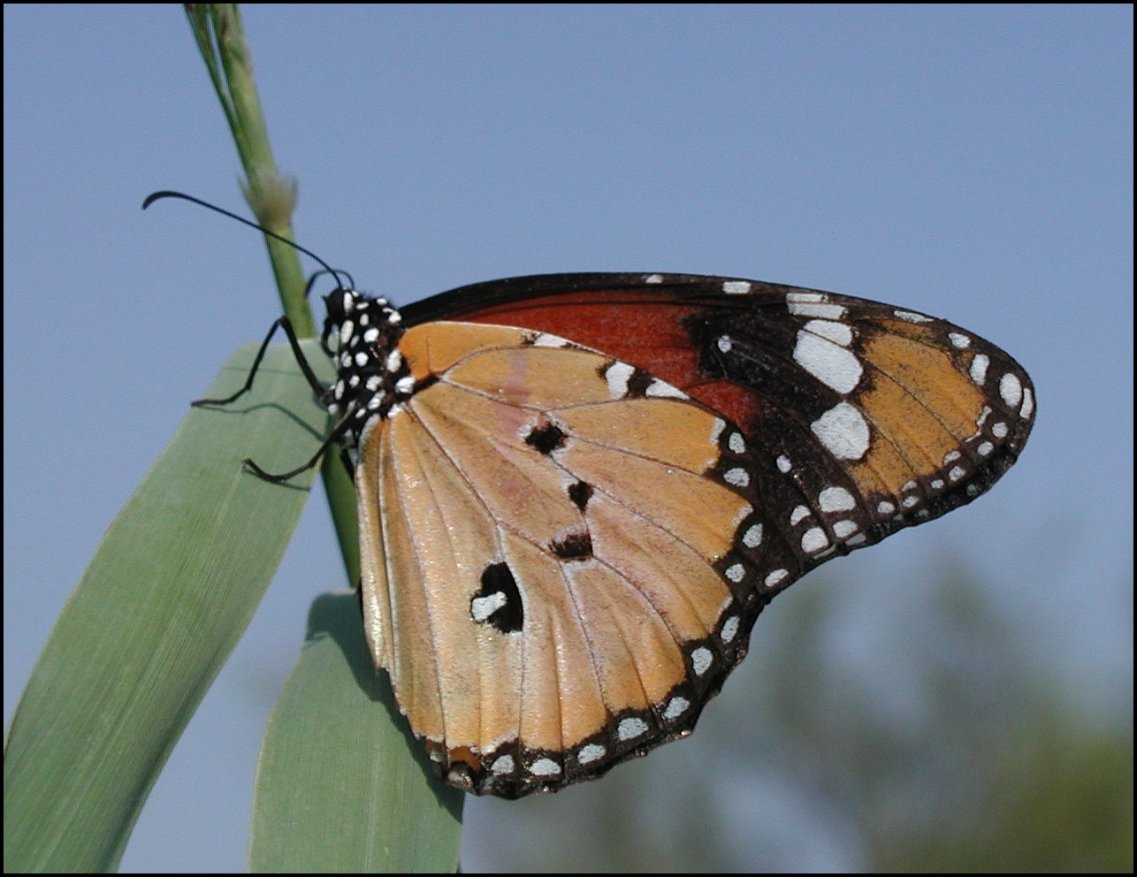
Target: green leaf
(167, 595)
(342, 785)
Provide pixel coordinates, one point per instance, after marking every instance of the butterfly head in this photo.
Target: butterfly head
(362, 333)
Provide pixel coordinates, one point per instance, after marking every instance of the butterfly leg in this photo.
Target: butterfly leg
(281, 323)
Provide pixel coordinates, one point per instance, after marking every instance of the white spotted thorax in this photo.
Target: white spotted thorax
(362, 333)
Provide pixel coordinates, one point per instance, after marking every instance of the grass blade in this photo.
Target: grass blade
(341, 784)
(164, 600)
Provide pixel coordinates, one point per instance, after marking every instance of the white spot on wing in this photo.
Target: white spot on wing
(835, 499)
(590, 753)
(1011, 389)
(830, 363)
(979, 368)
(631, 728)
(813, 304)
(482, 608)
(736, 477)
(776, 577)
(838, 333)
(701, 660)
(547, 339)
(618, 375)
(736, 287)
(814, 539)
(662, 388)
(843, 431)
(545, 767)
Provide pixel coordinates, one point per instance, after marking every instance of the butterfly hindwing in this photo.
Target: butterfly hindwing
(569, 571)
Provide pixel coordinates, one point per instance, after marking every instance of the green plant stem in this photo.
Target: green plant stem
(220, 37)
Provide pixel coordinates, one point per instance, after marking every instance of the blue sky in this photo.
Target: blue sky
(969, 162)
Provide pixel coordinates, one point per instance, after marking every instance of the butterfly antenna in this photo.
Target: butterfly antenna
(165, 193)
(335, 272)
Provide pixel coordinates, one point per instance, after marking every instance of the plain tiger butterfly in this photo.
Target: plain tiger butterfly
(576, 492)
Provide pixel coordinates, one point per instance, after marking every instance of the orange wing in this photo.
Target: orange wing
(570, 566)
(566, 542)
(865, 418)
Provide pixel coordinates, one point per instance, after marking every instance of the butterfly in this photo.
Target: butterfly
(577, 492)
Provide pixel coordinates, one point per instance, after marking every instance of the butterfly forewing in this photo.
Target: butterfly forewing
(865, 417)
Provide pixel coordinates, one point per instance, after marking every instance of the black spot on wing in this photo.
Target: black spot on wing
(574, 546)
(580, 492)
(546, 438)
(639, 382)
(499, 592)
